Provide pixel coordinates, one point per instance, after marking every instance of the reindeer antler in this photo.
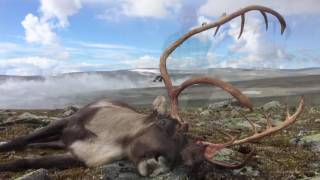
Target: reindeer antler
(173, 93)
(211, 148)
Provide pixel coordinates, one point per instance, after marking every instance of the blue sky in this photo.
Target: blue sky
(45, 37)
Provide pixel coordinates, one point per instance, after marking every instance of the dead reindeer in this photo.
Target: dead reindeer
(106, 131)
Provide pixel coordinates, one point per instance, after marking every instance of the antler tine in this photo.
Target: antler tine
(290, 119)
(254, 128)
(242, 25)
(265, 19)
(269, 122)
(211, 149)
(217, 29)
(224, 19)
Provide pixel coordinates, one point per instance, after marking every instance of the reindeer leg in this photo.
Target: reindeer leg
(52, 145)
(51, 130)
(60, 161)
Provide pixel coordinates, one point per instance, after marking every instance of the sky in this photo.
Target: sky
(49, 37)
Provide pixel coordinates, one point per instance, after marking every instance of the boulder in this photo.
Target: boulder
(69, 110)
(310, 141)
(29, 116)
(271, 105)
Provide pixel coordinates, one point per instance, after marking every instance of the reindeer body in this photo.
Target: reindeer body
(105, 131)
(106, 124)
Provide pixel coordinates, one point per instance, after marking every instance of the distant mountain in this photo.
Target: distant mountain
(138, 87)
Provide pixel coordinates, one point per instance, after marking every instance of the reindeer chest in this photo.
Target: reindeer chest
(108, 126)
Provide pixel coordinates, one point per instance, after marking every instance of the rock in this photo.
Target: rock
(275, 121)
(218, 105)
(314, 110)
(247, 170)
(224, 155)
(310, 141)
(224, 104)
(205, 113)
(69, 110)
(238, 123)
(234, 113)
(124, 170)
(29, 116)
(317, 120)
(73, 108)
(201, 123)
(40, 174)
(271, 105)
(68, 113)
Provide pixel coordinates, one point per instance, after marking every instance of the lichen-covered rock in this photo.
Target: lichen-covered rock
(271, 105)
(238, 123)
(69, 110)
(248, 171)
(223, 104)
(29, 116)
(124, 170)
(205, 113)
(310, 141)
(40, 174)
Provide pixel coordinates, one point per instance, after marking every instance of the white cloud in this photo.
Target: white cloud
(254, 50)
(60, 9)
(145, 61)
(53, 14)
(147, 8)
(37, 31)
(140, 8)
(28, 66)
(286, 7)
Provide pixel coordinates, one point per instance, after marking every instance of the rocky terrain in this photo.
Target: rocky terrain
(293, 153)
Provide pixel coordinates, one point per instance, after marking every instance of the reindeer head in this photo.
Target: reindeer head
(193, 151)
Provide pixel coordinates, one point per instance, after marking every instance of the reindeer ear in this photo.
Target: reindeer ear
(160, 105)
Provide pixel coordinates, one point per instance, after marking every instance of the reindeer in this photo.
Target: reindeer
(106, 131)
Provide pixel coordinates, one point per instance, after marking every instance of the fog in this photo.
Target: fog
(54, 92)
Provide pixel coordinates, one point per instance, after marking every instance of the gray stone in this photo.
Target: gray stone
(224, 155)
(40, 174)
(310, 141)
(247, 170)
(205, 113)
(238, 123)
(224, 104)
(68, 113)
(124, 170)
(218, 105)
(27, 118)
(28, 115)
(69, 110)
(271, 105)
